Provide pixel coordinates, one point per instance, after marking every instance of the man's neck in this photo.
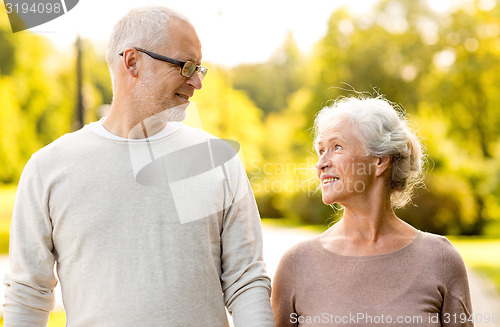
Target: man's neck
(134, 120)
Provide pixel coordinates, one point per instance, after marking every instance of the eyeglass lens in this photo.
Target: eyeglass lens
(188, 69)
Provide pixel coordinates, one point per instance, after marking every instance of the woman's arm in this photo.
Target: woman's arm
(457, 308)
(283, 292)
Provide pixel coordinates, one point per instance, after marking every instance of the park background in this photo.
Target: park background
(441, 64)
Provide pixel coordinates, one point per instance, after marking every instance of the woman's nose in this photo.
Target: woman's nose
(323, 163)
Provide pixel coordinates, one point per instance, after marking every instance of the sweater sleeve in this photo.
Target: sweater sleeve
(245, 283)
(283, 294)
(29, 295)
(456, 309)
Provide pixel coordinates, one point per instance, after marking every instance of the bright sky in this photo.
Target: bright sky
(231, 31)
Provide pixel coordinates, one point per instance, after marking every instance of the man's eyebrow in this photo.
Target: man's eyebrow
(198, 62)
(191, 58)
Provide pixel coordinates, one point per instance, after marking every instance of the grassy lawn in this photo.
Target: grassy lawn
(481, 255)
(289, 223)
(57, 319)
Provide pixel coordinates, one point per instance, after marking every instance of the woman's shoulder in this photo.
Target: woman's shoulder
(301, 250)
(450, 265)
(434, 241)
(443, 249)
(306, 245)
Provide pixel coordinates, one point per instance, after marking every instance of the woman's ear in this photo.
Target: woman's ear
(382, 165)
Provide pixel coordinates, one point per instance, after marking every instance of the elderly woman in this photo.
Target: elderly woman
(370, 268)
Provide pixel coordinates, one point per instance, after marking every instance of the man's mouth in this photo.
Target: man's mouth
(182, 96)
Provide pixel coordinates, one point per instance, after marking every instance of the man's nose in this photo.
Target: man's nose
(195, 81)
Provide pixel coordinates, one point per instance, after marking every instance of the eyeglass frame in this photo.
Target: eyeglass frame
(202, 70)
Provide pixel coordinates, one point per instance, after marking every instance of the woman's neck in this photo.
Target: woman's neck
(368, 228)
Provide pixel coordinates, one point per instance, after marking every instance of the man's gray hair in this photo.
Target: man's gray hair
(142, 27)
(383, 130)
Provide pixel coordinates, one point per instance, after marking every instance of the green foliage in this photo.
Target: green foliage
(7, 195)
(29, 93)
(443, 69)
(96, 81)
(38, 95)
(7, 54)
(402, 50)
(385, 52)
(227, 113)
(271, 83)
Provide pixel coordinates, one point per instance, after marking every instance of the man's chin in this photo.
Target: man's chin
(177, 113)
(182, 106)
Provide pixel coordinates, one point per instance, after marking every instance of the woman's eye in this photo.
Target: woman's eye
(321, 152)
(338, 147)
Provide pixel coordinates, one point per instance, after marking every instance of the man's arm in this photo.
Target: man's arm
(29, 295)
(245, 283)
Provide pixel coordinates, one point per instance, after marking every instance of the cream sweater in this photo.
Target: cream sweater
(143, 233)
(421, 284)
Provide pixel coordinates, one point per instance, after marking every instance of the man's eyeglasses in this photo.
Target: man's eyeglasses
(187, 67)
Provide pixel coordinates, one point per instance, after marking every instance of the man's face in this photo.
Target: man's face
(162, 84)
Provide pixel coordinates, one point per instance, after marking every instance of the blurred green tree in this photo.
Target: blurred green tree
(38, 95)
(30, 93)
(270, 84)
(228, 113)
(443, 69)
(465, 89)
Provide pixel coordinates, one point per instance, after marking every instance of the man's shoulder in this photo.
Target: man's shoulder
(228, 148)
(50, 156)
(197, 132)
(62, 145)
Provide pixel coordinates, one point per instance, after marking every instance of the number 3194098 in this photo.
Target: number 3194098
(35, 8)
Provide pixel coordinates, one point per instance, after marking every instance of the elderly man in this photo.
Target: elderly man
(149, 222)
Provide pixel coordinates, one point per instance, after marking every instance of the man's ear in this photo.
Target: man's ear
(382, 164)
(130, 56)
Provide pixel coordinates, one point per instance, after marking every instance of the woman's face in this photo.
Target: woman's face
(345, 170)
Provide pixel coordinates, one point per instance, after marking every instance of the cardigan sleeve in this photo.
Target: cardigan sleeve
(245, 283)
(29, 293)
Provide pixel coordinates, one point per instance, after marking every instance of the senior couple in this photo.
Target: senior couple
(149, 222)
